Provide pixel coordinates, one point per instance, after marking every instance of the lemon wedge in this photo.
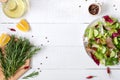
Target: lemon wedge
(4, 39)
(23, 25)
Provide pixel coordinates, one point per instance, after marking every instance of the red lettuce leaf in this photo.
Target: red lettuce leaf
(97, 61)
(108, 19)
(115, 35)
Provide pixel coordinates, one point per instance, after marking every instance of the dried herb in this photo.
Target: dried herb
(16, 54)
(31, 75)
(12, 29)
(90, 77)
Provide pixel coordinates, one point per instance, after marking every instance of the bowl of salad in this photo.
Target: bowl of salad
(102, 41)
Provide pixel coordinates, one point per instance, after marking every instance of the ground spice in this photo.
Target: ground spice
(93, 9)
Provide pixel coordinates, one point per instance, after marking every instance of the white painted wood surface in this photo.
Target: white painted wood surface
(63, 23)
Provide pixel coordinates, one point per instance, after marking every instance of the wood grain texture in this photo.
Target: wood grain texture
(63, 22)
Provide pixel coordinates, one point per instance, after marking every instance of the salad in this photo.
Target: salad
(102, 41)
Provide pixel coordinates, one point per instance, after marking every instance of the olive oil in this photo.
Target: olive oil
(15, 8)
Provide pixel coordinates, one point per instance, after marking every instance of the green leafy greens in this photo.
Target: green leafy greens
(31, 75)
(17, 51)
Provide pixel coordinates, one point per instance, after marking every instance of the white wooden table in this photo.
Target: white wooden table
(59, 25)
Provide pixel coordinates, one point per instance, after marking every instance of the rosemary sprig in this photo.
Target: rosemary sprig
(31, 75)
(16, 54)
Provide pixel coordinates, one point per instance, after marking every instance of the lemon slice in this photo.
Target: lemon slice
(4, 39)
(23, 25)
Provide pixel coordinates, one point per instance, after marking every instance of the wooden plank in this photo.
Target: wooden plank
(65, 11)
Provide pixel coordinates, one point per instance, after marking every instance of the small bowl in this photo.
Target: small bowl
(94, 8)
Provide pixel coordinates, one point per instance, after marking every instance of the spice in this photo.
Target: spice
(114, 5)
(41, 44)
(46, 57)
(26, 67)
(48, 41)
(32, 36)
(12, 29)
(40, 63)
(93, 9)
(79, 6)
(108, 70)
(90, 77)
(46, 38)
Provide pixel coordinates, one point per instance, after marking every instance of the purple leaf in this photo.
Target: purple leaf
(95, 59)
(118, 31)
(115, 35)
(108, 19)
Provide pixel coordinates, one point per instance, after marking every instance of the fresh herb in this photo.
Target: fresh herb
(31, 75)
(17, 51)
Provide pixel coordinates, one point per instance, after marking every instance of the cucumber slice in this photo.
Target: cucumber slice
(115, 40)
(112, 54)
(99, 56)
(103, 50)
(95, 33)
(90, 33)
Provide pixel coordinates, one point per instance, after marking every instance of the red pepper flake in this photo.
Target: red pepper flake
(26, 67)
(95, 59)
(90, 77)
(12, 29)
(108, 70)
